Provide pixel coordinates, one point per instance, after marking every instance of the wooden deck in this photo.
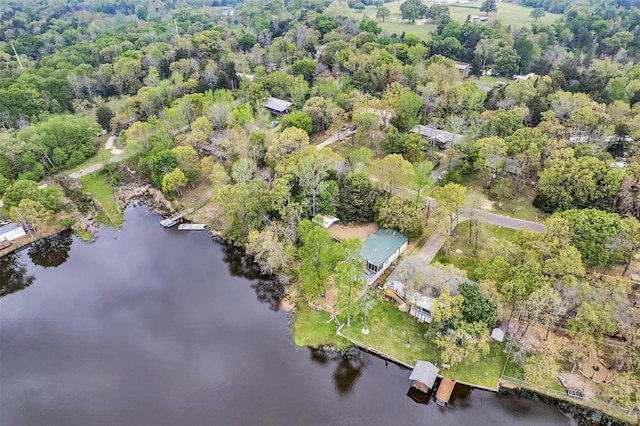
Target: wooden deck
(4, 244)
(444, 391)
(388, 291)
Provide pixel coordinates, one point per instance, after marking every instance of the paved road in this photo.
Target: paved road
(335, 137)
(437, 240)
(510, 222)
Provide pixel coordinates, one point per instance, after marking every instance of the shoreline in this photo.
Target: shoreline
(504, 385)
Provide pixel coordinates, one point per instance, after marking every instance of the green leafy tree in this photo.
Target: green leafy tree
(407, 111)
(537, 13)
(489, 6)
(593, 231)
(319, 256)
(305, 68)
(104, 116)
(367, 302)
(269, 251)
(174, 181)
(349, 275)
(392, 172)
(289, 141)
(311, 170)
(321, 112)
(412, 10)
(451, 198)
(18, 191)
(477, 307)
(187, 160)
(242, 170)
(592, 320)
(357, 196)
(398, 213)
(383, 12)
(506, 60)
(298, 119)
(32, 211)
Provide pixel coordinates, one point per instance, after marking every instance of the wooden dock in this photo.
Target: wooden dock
(192, 227)
(444, 391)
(173, 220)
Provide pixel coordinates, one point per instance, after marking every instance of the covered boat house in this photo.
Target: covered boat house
(423, 376)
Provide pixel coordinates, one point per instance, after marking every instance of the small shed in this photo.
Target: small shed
(497, 334)
(11, 232)
(324, 220)
(444, 391)
(423, 376)
(277, 106)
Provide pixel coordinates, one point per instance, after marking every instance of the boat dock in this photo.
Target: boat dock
(444, 391)
(173, 220)
(192, 227)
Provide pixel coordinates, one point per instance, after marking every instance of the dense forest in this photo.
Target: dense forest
(548, 113)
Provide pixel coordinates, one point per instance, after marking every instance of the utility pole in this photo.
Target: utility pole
(17, 57)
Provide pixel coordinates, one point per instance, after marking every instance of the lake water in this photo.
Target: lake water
(147, 326)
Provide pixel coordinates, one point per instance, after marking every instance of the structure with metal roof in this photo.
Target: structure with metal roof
(277, 106)
(423, 376)
(380, 249)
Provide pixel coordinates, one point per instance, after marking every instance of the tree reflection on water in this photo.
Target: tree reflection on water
(52, 251)
(267, 290)
(13, 275)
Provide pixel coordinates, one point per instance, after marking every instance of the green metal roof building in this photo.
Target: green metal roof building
(380, 249)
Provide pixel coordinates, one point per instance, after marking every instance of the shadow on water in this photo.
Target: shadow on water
(13, 275)
(267, 290)
(348, 371)
(52, 251)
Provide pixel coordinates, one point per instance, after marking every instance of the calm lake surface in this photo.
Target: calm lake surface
(148, 326)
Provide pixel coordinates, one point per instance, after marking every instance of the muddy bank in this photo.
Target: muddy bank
(147, 194)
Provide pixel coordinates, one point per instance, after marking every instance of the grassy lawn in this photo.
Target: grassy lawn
(520, 207)
(96, 185)
(315, 328)
(386, 316)
(508, 13)
(466, 260)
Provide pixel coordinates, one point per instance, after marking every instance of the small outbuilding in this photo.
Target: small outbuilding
(497, 334)
(324, 220)
(277, 106)
(423, 376)
(11, 232)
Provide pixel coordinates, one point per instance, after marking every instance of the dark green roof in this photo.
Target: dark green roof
(381, 245)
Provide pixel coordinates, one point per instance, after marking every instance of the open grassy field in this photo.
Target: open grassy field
(466, 260)
(509, 13)
(96, 185)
